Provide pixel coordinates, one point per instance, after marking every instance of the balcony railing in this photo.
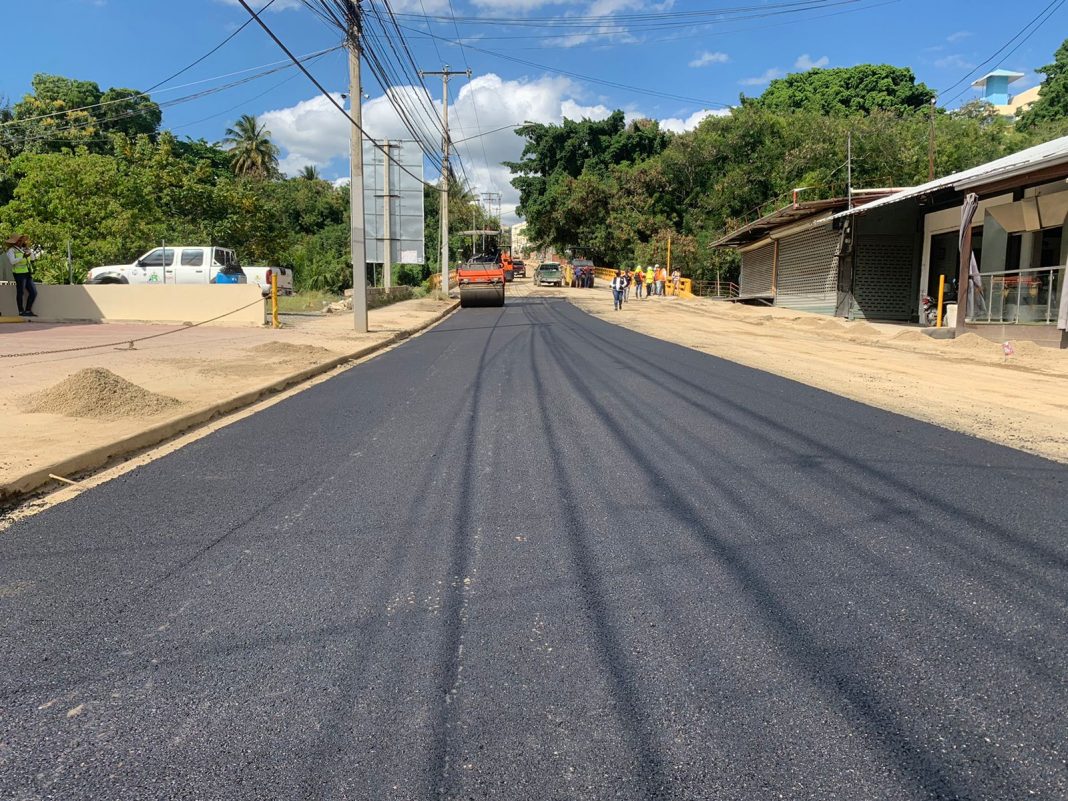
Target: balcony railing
(1017, 297)
(715, 289)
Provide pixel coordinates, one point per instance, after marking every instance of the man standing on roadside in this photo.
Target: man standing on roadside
(650, 281)
(19, 255)
(619, 286)
(639, 280)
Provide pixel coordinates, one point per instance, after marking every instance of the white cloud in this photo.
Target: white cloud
(769, 75)
(705, 58)
(956, 37)
(314, 132)
(805, 62)
(677, 125)
(954, 61)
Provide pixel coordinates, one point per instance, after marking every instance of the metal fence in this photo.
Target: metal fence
(715, 289)
(1018, 297)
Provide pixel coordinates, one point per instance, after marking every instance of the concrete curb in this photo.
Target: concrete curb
(98, 457)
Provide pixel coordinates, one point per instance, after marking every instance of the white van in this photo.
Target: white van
(174, 265)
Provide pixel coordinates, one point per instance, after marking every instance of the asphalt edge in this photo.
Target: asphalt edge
(22, 486)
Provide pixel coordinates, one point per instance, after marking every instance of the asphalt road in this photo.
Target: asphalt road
(530, 555)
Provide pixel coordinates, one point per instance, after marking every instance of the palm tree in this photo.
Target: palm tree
(310, 173)
(252, 153)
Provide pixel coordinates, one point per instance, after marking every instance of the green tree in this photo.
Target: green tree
(253, 154)
(862, 89)
(310, 173)
(1052, 103)
(129, 112)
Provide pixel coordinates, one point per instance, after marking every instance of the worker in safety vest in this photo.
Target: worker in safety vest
(19, 255)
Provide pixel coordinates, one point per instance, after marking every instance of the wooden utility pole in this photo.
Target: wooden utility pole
(357, 231)
(445, 74)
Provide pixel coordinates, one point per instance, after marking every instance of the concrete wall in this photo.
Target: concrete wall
(144, 303)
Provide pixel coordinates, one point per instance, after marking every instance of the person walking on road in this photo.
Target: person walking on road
(626, 284)
(20, 255)
(639, 282)
(619, 286)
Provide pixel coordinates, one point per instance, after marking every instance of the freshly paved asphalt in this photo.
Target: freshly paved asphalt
(530, 555)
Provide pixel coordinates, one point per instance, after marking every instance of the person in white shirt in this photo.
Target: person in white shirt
(19, 256)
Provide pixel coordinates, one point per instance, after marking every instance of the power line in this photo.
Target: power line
(1036, 22)
(330, 97)
(578, 76)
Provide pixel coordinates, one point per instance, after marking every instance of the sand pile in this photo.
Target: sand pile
(912, 335)
(98, 394)
(287, 351)
(973, 343)
(864, 330)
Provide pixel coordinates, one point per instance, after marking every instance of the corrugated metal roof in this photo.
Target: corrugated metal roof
(788, 215)
(1045, 155)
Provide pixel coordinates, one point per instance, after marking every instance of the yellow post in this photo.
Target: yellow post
(941, 294)
(274, 300)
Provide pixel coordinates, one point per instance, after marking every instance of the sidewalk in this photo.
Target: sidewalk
(206, 371)
(967, 384)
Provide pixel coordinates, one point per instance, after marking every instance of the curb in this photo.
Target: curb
(96, 458)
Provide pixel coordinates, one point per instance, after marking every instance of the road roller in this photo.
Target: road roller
(481, 279)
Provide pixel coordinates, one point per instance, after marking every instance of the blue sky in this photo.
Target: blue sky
(704, 62)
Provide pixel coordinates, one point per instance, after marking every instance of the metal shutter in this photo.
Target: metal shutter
(756, 271)
(808, 271)
(882, 282)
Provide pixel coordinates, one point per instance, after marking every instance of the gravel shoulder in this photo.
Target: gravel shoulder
(967, 385)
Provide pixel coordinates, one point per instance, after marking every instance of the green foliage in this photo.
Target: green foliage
(1052, 103)
(252, 154)
(863, 89)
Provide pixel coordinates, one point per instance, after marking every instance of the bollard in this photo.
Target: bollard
(274, 300)
(941, 295)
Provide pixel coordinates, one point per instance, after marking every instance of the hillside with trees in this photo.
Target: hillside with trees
(639, 186)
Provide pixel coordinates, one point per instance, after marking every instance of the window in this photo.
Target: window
(1050, 247)
(192, 258)
(158, 258)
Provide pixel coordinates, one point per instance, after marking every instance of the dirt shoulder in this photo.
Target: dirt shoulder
(967, 385)
(59, 407)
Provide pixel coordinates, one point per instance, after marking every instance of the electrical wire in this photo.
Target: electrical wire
(151, 88)
(1035, 24)
(355, 22)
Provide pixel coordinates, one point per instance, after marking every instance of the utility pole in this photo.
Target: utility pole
(849, 169)
(387, 233)
(445, 74)
(931, 143)
(357, 231)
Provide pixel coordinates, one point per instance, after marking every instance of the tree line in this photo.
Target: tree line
(617, 191)
(94, 169)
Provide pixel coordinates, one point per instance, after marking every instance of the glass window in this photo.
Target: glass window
(1050, 247)
(158, 258)
(192, 258)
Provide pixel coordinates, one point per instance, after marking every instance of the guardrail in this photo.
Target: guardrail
(715, 289)
(435, 280)
(1017, 297)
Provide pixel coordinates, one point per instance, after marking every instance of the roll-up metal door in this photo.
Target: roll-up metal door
(756, 271)
(882, 282)
(808, 271)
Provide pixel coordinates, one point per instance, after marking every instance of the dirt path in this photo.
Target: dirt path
(968, 385)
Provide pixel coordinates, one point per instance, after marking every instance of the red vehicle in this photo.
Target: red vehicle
(519, 268)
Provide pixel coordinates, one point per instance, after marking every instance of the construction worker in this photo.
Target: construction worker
(650, 281)
(639, 281)
(19, 255)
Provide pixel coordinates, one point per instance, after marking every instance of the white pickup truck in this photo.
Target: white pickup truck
(174, 265)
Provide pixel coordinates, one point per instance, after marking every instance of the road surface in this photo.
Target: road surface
(530, 555)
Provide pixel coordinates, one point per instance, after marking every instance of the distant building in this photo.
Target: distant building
(520, 243)
(995, 88)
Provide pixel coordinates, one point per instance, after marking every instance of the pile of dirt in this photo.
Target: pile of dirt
(807, 322)
(864, 330)
(98, 394)
(912, 335)
(975, 344)
(287, 351)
